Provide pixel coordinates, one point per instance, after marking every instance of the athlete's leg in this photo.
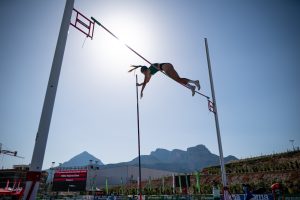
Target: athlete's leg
(171, 72)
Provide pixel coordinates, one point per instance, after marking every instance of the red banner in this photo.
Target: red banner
(70, 175)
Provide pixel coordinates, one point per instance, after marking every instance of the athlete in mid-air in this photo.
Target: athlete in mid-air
(169, 70)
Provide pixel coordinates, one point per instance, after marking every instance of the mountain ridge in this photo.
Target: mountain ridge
(81, 159)
(177, 160)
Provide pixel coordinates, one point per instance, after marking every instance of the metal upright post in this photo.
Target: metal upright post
(34, 173)
(173, 183)
(215, 111)
(139, 147)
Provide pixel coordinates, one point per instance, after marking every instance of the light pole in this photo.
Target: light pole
(292, 141)
(51, 179)
(51, 176)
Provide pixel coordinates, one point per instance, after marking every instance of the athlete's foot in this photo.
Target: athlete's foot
(193, 88)
(197, 84)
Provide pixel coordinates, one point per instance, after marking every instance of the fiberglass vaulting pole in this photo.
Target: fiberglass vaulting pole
(34, 173)
(138, 126)
(215, 111)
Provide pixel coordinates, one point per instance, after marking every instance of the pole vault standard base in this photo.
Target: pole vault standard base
(33, 176)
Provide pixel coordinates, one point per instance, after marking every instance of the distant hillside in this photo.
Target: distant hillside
(81, 159)
(260, 172)
(193, 159)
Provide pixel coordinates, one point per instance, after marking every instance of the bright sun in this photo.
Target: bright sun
(129, 32)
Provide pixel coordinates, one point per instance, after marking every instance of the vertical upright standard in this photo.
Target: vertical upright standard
(34, 174)
(215, 111)
(139, 145)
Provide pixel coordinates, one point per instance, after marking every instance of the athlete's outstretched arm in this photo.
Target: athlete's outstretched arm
(146, 80)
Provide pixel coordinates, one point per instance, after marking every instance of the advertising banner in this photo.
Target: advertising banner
(69, 180)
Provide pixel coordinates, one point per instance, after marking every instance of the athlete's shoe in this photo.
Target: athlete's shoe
(197, 84)
(193, 88)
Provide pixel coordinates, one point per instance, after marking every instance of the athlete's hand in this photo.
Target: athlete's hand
(141, 94)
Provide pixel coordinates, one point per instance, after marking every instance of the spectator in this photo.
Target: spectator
(247, 192)
(216, 191)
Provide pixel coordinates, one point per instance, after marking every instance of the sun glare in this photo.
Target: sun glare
(130, 32)
(110, 56)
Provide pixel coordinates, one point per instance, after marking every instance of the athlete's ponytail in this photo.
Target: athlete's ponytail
(143, 68)
(134, 67)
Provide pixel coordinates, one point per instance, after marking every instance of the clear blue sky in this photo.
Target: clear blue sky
(254, 48)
